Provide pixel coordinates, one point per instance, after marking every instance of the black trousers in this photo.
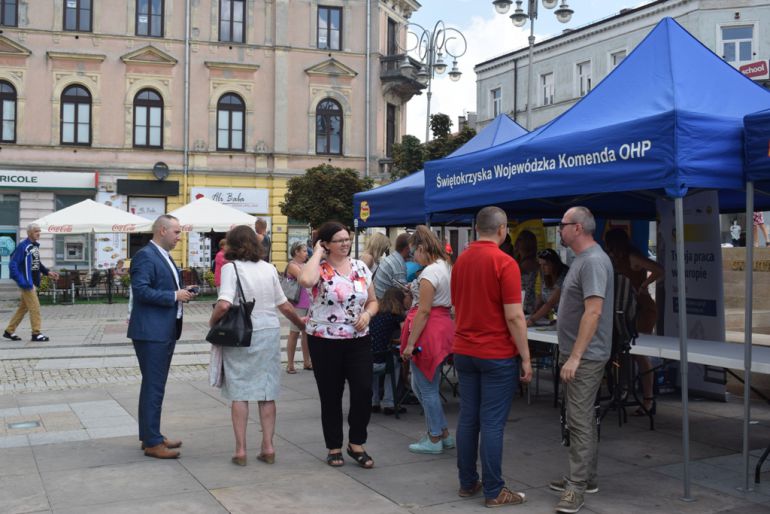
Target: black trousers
(334, 362)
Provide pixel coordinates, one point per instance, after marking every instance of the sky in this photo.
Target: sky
(488, 35)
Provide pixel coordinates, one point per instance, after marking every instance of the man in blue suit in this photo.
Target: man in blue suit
(154, 327)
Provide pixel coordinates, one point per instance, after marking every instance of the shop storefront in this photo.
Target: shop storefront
(26, 195)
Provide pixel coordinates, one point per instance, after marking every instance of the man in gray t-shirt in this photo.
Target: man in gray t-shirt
(585, 340)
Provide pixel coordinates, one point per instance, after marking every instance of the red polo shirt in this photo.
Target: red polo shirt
(483, 279)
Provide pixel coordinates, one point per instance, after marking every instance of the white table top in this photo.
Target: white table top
(711, 353)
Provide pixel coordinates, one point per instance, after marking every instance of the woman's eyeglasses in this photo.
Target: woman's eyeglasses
(341, 241)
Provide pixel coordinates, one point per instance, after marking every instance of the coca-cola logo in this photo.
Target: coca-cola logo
(754, 69)
(57, 229)
(124, 228)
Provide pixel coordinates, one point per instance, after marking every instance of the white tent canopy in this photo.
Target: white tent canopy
(90, 216)
(204, 215)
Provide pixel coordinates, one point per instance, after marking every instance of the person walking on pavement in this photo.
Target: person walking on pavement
(584, 331)
(25, 269)
(490, 331)
(154, 327)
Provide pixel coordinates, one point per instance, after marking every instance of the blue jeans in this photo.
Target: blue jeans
(154, 362)
(427, 392)
(388, 394)
(487, 387)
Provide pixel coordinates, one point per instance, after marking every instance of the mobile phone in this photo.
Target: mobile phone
(194, 289)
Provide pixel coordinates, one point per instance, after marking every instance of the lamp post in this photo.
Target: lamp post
(431, 45)
(519, 19)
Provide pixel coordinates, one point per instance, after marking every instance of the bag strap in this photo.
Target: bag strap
(241, 296)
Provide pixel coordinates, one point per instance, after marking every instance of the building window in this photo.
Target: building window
(496, 102)
(328, 127)
(737, 43)
(9, 13)
(148, 119)
(330, 28)
(76, 116)
(149, 18)
(390, 130)
(392, 37)
(616, 58)
(546, 89)
(77, 15)
(230, 115)
(232, 16)
(8, 112)
(584, 78)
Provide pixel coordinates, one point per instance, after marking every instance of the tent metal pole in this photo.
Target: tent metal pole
(682, 306)
(747, 328)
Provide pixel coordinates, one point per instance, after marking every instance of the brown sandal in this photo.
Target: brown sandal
(362, 458)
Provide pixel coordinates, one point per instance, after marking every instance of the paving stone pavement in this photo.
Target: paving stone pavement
(89, 347)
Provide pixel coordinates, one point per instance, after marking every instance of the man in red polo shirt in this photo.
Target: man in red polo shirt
(490, 332)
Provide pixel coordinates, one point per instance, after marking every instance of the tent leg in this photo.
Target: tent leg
(747, 328)
(682, 306)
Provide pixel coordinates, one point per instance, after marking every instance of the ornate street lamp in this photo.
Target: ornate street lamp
(431, 46)
(519, 19)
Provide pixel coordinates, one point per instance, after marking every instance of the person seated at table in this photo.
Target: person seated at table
(552, 271)
(386, 325)
(642, 272)
(525, 253)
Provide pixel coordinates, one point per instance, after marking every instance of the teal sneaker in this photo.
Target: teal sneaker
(425, 445)
(448, 442)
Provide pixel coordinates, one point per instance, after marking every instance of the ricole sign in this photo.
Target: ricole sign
(23, 179)
(755, 70)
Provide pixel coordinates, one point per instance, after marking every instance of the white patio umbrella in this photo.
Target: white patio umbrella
(204, 215)
(88, 216)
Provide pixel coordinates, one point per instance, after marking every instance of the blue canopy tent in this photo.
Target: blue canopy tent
(668, 121)
(757, 166)
(403, 202)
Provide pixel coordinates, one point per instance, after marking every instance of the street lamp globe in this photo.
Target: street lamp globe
(550, 4)
(502, 6)
(564, 13)
(439, 65)
(423, 75)
(518, 18)
(455, 73)
(406, 64)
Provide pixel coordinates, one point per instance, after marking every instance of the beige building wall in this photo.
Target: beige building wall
(279, 72)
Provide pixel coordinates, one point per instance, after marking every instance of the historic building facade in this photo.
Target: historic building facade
(147, 104)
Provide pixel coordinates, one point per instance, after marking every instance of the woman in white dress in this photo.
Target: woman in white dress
(252, 373)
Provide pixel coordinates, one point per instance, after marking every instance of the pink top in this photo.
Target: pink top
(338, 301)
(304, 295)
(219, 261)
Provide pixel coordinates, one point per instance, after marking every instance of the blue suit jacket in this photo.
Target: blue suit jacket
(153, 315)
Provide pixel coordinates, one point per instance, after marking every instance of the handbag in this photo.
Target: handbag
(291, 288)
(234, 328)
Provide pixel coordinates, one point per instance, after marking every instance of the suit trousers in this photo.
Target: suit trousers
(29, 303)
(334, 362)
(154, 362)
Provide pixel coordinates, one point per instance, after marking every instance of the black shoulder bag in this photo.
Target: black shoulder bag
(234, 328)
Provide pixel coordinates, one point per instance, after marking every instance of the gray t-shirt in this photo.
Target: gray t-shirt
(590, 274)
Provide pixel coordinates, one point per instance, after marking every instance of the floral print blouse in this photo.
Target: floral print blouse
(338, 301)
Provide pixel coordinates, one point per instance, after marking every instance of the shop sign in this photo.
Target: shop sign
(147, 207)
(755, 70)
(21, 179)
(251, 201)
(365, 211)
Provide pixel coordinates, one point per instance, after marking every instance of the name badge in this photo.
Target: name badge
(358, 286)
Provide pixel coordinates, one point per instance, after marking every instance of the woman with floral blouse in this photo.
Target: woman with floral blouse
(343, 304)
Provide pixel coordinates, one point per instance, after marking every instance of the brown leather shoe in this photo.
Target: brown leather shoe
(171, 444)
(161, 452)
(473, 491)
(505, 497)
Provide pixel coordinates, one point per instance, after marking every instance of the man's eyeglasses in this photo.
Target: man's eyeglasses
(341, 241)
(562, 224)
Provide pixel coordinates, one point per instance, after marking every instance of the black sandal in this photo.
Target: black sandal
(362, 458)
(335, 460)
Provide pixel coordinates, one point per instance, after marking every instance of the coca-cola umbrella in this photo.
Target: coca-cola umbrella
(204, 215)
(89, 216)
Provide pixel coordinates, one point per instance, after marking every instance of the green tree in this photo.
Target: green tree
(408, 156)
(322, 194)
(457, 140)
(440, 125)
